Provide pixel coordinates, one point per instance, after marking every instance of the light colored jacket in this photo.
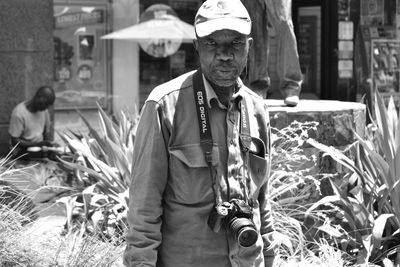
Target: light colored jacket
(171, 192)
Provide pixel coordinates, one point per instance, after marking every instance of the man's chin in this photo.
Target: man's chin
(221, 81)
(225, 82)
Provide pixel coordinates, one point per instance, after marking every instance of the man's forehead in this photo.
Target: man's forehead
(225, 33)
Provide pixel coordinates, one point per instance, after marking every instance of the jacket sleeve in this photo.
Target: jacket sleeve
(267, 228)
(149, 177)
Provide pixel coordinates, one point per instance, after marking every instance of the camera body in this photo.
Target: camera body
(236, 216)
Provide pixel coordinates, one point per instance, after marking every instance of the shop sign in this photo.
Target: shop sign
(345, 68)
(85, 72)
(372, 12)
(346, 30)
(346, 49)
(343, 9)
(385, 62)
(79, 18)
(62, 73)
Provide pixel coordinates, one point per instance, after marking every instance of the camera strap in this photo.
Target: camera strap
(206, 141)
(244, 131)
(200, 96)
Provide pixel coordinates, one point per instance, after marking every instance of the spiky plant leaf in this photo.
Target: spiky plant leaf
(92, 131)
(108, 125)
(383, 126)
(377, 230)
(335, 154)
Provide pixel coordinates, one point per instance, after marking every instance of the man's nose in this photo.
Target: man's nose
(224, 53)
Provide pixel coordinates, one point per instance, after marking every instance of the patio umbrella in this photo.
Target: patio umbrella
(158, 22)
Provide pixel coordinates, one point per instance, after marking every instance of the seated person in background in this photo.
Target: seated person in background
(30, 125)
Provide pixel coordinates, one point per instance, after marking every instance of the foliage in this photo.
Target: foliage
(325, 256)
(369, 208)
(293, 185)
(12, 250)
(30, 245)
(78, 250)
(292, 182)
(38, 243)
(101, 163)
(10, 196)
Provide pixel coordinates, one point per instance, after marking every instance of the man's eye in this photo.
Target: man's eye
(210, 43)
(237, 42)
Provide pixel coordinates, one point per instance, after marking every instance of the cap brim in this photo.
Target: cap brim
(235, 24)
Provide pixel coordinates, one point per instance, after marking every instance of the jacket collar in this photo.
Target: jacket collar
(210, 93)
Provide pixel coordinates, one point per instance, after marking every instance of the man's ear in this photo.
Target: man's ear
(195, 45)
(250, 40)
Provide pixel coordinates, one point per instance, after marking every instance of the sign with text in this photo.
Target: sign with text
(79, 18)
(372, 12)
(345, 68)
(345, 49)
(346, 30)
(81, 67)
(385, 65)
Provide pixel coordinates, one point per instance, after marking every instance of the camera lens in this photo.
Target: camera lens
(244, 231)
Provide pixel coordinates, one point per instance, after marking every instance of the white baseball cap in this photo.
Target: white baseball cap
(214, 15)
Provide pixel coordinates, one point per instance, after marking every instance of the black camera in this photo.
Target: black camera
(236, 216)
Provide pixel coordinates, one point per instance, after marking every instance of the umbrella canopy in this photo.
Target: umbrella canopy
(170, 28)
(157, 22)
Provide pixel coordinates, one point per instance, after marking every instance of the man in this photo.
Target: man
(278, 14)
(30, 124)
(198, 195)
(288, 64)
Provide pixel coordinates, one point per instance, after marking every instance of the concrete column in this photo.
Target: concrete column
(125, 60)
(26, 55)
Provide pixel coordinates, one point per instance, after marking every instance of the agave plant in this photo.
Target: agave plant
(370, 206)
(292, 188)
(101, 163)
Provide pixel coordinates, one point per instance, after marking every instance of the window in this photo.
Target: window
(81, 68)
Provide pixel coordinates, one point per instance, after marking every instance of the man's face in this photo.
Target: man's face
(42, 101)
(223, 55)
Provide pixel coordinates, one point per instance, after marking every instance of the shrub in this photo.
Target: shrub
(10, 196)
(101, 163)
(369, 208)
(294, 186)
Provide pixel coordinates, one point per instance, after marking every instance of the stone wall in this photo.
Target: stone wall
(337, 119)
(337, 122)
(26, 55)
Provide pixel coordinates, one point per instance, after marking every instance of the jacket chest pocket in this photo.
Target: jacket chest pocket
(190, 176)
(258, 162)
(259, 168)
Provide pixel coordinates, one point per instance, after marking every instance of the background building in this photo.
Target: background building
(58, 42)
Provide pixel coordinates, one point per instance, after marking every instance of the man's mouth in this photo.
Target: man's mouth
(225, 71)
